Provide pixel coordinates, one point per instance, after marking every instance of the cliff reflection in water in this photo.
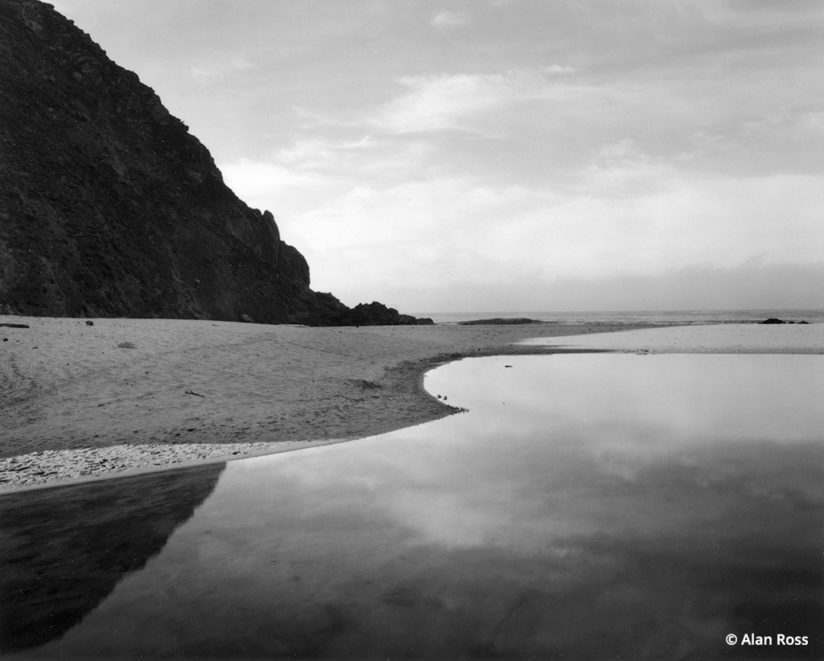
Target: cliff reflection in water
(63, 550)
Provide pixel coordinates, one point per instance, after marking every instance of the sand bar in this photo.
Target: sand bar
(122, 395)
(718, 338)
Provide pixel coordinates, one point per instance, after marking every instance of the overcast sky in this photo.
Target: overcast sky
(509, 154)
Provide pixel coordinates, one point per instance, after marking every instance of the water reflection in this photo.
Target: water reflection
(63, 550)
(588, 506)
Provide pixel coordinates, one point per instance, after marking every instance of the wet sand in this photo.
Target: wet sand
(125, 395)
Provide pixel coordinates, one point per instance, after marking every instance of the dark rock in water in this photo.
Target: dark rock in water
(109, 207)
(496, 321)
(772, 320)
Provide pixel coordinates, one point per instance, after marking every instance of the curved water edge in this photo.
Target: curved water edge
(587, 505)
(387, 397)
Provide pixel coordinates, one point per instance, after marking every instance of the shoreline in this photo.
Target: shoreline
(129, 396)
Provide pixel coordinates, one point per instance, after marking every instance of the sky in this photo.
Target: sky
(509, 155)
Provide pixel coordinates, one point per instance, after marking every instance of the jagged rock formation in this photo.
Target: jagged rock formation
(109, 207)
(367, 314)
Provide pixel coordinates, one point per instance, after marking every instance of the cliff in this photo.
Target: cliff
(109, 207)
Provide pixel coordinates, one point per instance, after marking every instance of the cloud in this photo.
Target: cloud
(570, 169)
(396, 207)
(436, 103)
(448, 20)
(317, 186)
(208, 74)
(447, 101)
(443, 234)
(271, 185)
(250, 177)
(314, 153)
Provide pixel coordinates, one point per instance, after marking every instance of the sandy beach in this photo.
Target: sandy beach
(120, 396)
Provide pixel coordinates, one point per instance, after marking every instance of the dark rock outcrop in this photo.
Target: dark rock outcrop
(500, 321)
(109, 207)
(367, 314)
(776, 320)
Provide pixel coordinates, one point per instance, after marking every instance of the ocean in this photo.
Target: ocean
(664, 317)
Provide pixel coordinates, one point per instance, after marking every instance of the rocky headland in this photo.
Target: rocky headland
(109, 207)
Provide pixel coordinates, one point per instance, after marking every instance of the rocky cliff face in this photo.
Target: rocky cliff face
(109, 207)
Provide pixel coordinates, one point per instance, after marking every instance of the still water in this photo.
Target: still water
(586, 506)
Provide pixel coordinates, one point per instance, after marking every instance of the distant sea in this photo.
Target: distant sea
(682, 317)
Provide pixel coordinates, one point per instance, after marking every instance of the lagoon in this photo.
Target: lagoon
(585, 506)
